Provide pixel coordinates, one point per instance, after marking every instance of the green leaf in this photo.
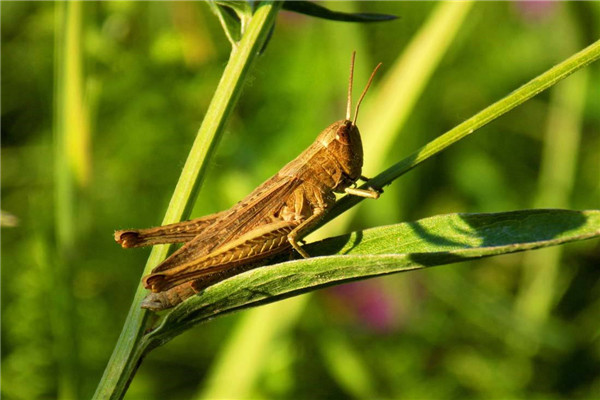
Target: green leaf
(241, 8)
(230, 20)
(532, 88)
(381, 251)
(315, 10)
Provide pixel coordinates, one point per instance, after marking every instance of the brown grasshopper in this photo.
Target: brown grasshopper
(270, 220)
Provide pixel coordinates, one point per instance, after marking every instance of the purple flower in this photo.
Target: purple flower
(534, 10)
(370, 303)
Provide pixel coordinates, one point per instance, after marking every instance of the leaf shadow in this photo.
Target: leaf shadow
(495, 230)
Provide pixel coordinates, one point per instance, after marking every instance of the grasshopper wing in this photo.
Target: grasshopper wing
(249, 231)
(227, 260)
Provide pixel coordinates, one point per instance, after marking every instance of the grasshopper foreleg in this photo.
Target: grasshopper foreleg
(368, 193)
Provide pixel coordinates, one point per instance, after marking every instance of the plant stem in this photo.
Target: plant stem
(71, 166)
(130, 347)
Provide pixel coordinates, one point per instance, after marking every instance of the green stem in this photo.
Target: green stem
(130, 347)
(501, 107)
(70, 129)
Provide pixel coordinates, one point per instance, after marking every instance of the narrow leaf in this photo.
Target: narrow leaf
(471, 125)
(380, 251)
(315, 10)
(230, 21)
(241, 8)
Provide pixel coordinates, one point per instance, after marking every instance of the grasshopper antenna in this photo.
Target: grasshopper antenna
(349, 102)
(364, 91)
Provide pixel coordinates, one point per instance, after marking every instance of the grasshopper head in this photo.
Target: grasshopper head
(343, 143)
(342, 138)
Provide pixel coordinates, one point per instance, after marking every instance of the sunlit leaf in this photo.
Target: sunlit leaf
(429, 242)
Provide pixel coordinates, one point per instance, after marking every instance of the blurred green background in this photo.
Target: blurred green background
(518, 326)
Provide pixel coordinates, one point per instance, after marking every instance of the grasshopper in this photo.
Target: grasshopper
(269, 221)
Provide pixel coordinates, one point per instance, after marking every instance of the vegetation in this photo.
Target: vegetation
(100, 105)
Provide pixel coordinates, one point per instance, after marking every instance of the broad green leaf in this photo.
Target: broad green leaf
(381, 251)
(315, 10)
